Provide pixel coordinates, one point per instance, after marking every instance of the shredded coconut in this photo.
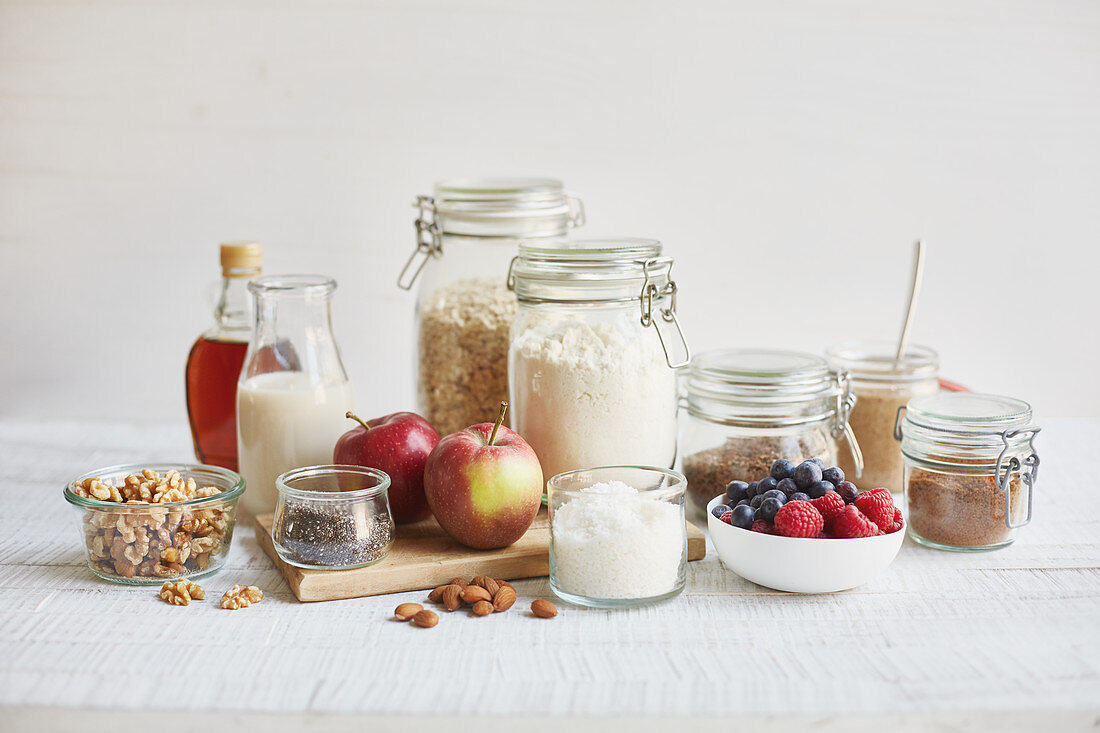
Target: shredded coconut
(594, 395)
(612, 541)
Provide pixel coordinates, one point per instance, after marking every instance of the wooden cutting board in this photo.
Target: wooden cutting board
(423, 556)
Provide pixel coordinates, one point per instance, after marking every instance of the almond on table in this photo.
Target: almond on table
(543, 609)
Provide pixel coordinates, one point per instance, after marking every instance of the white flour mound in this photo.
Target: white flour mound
(594, 395)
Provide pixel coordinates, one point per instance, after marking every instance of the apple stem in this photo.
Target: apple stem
(500, 419)
(356, 418)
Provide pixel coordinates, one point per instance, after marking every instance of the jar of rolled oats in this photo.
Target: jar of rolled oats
(467, 233)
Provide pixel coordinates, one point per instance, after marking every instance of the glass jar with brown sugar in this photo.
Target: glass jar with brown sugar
(970, 468)
(882, 383)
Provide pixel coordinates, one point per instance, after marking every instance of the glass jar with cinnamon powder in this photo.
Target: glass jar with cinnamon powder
(882, 383)
(970, 469)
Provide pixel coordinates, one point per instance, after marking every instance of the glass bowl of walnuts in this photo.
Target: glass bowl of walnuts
(142, 524)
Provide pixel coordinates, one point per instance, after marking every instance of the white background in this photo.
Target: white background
(787, 154)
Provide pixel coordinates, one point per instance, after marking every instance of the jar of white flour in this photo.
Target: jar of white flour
(595, 345)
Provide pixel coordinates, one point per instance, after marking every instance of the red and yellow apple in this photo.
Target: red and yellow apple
(484, 485)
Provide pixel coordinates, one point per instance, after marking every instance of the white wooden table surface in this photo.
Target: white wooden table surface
(965, 641)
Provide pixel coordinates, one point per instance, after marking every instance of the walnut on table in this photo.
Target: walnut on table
(241, 596)
(181, 592)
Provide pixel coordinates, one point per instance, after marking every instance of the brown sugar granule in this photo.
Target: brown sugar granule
(747, 459)
(961, 510)
(464, 337)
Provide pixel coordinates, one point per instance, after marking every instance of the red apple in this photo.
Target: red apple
(398, 444)
(484, 485)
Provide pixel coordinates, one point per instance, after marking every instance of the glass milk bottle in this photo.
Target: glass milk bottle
(293, 390)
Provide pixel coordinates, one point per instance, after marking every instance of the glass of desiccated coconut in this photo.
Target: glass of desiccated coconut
(617, 535)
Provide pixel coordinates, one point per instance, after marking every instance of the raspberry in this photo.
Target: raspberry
(799, 519)
(850, 522)
(726, 517)
(763, 527)
(878, 506)
(829, 505)
(898, 522)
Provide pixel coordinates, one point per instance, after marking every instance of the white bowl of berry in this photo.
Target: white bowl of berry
(805, 529)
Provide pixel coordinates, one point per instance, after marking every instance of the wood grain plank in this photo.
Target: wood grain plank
(423, 556)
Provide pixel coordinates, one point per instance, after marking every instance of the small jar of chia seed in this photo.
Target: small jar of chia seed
(333, 517)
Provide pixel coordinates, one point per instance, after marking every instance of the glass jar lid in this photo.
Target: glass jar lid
(587, 270)
(964, 429)
(489, 208)
(505, 207)
(761, 387)
(875, 361)
(968, 412)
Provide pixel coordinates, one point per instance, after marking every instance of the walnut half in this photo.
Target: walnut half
(181, 592)
(241, 596)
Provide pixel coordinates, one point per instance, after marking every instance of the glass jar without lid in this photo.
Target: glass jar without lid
(333, 517)
(617, 535)
(595, 346)
(466, 234)
(970, 469)
(882, 383)
(747, 408)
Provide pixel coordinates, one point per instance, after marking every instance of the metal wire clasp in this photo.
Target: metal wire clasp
(429, 241)
(651, 292)
(1028, 470)
(845, 401)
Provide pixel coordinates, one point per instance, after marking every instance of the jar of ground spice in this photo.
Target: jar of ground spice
(467, 233)
(970, 467)
(746, 408)
(882, 383)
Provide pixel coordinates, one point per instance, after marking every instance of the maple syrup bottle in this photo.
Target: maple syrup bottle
(215, 361)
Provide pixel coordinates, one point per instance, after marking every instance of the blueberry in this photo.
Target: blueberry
(766, 484)
(799, 496)
(742, 516)
(735, 490)
(782, 469)
(847, 491)
(820, 463)
(768, 508)
(833, 475)
(743, 502)
(775, 494)
(719, 510)
(818, 489)
(806, 474)
(750, 490)
(755, 503)
(787, 486)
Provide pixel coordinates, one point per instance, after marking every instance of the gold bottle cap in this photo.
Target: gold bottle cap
(242, 259)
